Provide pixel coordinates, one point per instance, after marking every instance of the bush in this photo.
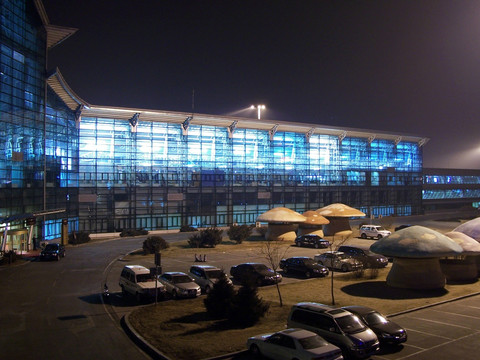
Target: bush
(246, 307)
(81, 237)
(154, 244)
(133, 232)
(207, 238)
(239, 233)
(187, 228)
(219, 298)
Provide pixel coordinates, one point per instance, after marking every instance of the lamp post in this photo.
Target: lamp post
(259, 109)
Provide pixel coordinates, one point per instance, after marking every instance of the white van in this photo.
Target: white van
(137, 280)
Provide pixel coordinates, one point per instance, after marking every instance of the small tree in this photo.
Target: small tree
(274, 251)
(247, 307)
(239, 233)
(334, 247)
(219, 299)
(154, 244)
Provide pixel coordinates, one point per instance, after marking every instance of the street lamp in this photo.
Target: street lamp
(259, 108)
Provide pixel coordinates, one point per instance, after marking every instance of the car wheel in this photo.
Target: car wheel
(138, 297)
(259, 282)
(307, 274)
(379, 237)
(207, 289)
(58, 257)
(344, 268)
(285, 270)
(319, 262)
(363, 236)
(255, 351)
(316, 246)
(297, 243)
(174, 294)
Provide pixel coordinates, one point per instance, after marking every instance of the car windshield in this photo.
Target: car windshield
(144, 278)
(309, 262)
(312, 342)
(213, 274)
(350, 324)
(260, 267)
(179, 279)
(51, 247)
(375, 318)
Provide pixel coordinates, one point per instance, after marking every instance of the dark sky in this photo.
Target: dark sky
(409, 66)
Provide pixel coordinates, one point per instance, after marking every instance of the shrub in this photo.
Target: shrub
(154, 244)
(133, 232)
(80, 237)
(210, 237)
(239, 233)
(247, 307)
(219, 298)
(187, 228)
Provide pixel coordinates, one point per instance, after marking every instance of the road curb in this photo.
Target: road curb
(140, 341)
(432, 305)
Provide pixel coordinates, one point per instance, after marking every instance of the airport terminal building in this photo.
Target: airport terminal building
(110, 168)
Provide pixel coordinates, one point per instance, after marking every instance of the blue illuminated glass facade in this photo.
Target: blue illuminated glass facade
(445, 189)
(157, 177)
(38, 140)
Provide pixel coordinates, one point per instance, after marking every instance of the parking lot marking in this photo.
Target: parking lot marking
(443, 323)
(429, 334)
(457, 314)
(436, 346)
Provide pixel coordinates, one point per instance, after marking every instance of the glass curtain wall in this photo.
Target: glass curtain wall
(154, 177)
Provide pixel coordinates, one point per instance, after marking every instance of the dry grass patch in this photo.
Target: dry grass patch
(182, 330)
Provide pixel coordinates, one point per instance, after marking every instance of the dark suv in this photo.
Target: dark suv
(312, 240)
(53, 251)
(255, 273)
(366, 257)
(338, 326)
(303, 265)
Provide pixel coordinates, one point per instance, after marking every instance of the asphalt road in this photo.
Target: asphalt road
(54, 310)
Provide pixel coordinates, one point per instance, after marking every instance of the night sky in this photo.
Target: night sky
(408, 66)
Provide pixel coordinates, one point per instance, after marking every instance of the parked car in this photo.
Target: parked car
(312, 240)
(388, 332)
(52, 251)
(303, 265)
(137, 280)
(206, 276)
(337, 260)
(256, 273)
(293, 344)
(366, 257)
(338, 326)
(180, 285)
(373, 231)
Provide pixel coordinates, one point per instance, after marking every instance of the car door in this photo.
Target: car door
(167, 281)
(280, 347)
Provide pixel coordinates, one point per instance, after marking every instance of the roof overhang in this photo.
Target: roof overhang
(58, 84)
(245, 123)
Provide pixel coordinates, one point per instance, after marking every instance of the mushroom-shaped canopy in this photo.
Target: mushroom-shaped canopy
(339, 210)
(470, 228)
(416, 242)
(314, 218)
(281, 215)
(470, 246)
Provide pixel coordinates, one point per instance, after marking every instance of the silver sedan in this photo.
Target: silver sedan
(180, 285)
